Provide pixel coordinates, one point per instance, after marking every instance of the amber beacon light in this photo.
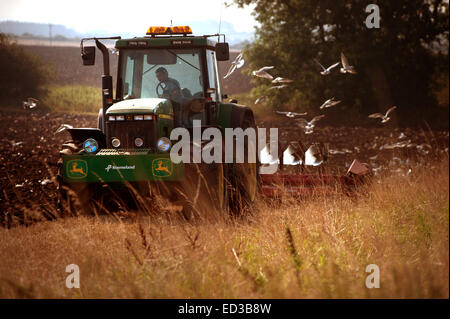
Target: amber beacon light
(169, 30)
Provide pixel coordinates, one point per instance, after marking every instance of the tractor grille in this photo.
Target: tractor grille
(128, 131)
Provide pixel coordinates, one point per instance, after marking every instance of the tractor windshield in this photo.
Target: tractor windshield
(175, 74)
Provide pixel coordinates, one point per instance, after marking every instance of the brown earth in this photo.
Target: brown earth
(29, 152)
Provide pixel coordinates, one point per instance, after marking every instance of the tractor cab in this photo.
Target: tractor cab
(168, 76)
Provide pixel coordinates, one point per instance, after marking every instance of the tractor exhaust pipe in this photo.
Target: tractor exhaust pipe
(107, 86)
(88, 57)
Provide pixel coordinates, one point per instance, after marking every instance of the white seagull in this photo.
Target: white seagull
(63, 127)
(30, 103)
(329, 103)
(346, 67)
(384, 117)
(261, 73)
(327, 71)
(313, 156)
(282, 80)
(290, 114)
(309, 126)
(260, 99)
(236, 64)
(278, 87)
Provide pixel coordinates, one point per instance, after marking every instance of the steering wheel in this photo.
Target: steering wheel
(163, 87)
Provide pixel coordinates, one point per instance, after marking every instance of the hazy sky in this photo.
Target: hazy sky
(125, 15)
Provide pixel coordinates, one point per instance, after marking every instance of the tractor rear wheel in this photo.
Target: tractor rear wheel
(245, 177)
(203, 192)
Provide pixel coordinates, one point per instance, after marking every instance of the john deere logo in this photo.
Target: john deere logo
(162, 167)
(77, 169)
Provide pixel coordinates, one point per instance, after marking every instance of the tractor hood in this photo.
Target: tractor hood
(150, 105)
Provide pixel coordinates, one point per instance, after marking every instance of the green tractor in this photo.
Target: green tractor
(166, 80)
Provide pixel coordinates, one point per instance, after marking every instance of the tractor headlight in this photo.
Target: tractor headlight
(163, 144)
(138, 141)
(115, 142)
(90, 145)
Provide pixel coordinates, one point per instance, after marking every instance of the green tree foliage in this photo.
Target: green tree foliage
(22, 74)
(395, 62)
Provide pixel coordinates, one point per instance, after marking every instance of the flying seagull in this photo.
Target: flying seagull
(326, 71)
(384, 117)
(282, 80)
(262, 73)
(309, 126)
(63, 127)
(346, 67)
(329, 103)
(260, 99)
(290, 114)
(278, 87)
(236, 64)
(30, 103)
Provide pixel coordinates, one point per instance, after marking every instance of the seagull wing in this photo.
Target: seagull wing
(231, 70)
(376, 115)
(344, 60)
(238, 58)
(282, 113)
(333, 103)
(282, 80)
(317, 118)
(265, 68)
(260, 99)
(333, 66)
(63, 127)
(390, 110)
(299, 114)
(320, 65)
(302, 122)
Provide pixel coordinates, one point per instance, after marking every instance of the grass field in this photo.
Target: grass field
(73, 99)
(314, 248)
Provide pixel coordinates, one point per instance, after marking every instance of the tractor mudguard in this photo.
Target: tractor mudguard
(82, 134)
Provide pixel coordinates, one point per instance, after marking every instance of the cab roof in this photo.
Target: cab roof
(165, 41)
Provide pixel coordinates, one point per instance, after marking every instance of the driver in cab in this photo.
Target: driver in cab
(170, 87)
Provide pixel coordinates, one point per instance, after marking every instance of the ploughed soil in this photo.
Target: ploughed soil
(29, 153)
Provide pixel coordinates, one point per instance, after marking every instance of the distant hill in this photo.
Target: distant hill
(28, 29)
(36, 29)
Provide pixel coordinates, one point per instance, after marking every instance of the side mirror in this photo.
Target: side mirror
(88, 55)
(222, 51)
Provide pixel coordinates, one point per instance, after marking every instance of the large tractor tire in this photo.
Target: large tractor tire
(244, 178)
(73, 198)
(204, 191)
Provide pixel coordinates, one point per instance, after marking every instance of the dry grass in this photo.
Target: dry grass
(316, 248)
(74, 99)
